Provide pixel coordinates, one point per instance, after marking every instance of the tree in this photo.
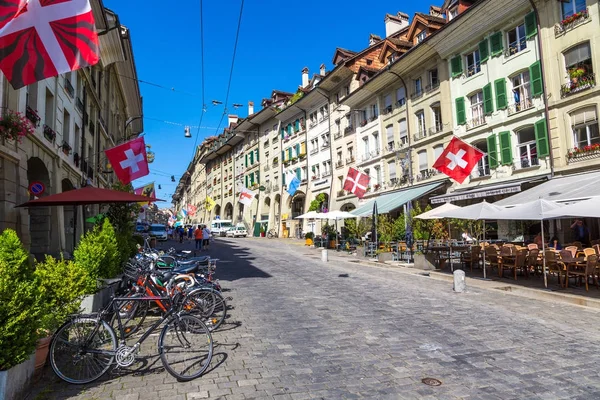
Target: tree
(317, 203)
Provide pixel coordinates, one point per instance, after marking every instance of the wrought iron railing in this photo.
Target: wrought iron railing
(577, 85)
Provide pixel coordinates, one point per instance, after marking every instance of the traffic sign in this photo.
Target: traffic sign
(37, 188)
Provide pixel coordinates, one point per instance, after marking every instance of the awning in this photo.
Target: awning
(562, 189)
(394, 200)
(479, 192)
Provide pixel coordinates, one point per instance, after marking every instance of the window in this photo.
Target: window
(339, 157)
(346, 90)
(418, 87)
(521, 92)
(374, 111)
(436, 113)
(477, 113)
(585, 127)
(389, 133)
(516, 40)
(377, 175)
(392, 169)
(400, 96)
(351, 154)
(420, 124)
(376, 144)
(473, 63)
(570, 7)
(403, 132)
(423, 166)
(421, 36)
(388, 104)
(452, 13)
(437, 151)
(527, 148)
(483, 165)
(578, 61)
(433, 78)
(366, 153)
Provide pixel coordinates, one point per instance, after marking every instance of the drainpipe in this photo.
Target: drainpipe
(330, 148)
(545, 92)
(259, 174)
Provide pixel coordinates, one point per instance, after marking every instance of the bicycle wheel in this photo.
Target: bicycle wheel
(132, 314)
(82, 350)
(185, 346)
(206, 304)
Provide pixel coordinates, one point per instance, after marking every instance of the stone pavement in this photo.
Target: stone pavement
(301, 329)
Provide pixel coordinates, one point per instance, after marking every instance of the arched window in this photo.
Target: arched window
(585, 127)
(527, 148)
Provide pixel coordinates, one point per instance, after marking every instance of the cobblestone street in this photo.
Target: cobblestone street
(301, 329)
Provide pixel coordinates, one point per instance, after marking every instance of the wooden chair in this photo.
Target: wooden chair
(573, 249)
(565, 254)
(471, 256)
(532, 246)
(520, 263)
(492, 258)
(534, 263)
(595, 242)
(596, 248)
(589, 252)
(554, 265)
(585, 272)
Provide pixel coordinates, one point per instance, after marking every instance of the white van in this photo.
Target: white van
(219, 227)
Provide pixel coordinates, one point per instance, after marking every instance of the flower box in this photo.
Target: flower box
(49, 133)
(33, 116)
(14, 125)
(66, 148)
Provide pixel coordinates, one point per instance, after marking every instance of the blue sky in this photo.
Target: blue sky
(277, 39)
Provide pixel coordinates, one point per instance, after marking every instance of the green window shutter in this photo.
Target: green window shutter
(282, 155)
(535, 74)
(282, 133)
(251, 158)
(289, 129)
(290, 153)
(251, 179)
(257, 156)
(456, 66)
(297, 125)
(283, 178)
(461, 115)
(501, 100)
(484, 52)
(496, 44)
(297, 149)
(488, 99)
(505, 148)
(492, 151)
(298, 174)
(246, 180)
(530, 25)
(246, 160)
(541, 138)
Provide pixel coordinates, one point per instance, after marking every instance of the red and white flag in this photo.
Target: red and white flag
(458, 159)
(246, 196)
(44, 38)
(356, 182)
(128, 160)
(191, 209)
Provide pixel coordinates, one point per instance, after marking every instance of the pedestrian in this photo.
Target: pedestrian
(466, 237)
(206, 236)
(180, 231)
(538, 240)
(554, 243)
(580, 232)
(198, 236)
(190, 232)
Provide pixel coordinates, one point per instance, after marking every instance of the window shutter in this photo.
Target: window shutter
(484, 52)
(492, 151)
(496, 44)
(297, 125)
(456, 66)
(297, 149)
(530, 25)
(257, 156)
(500, 86)
(282, 133)
(257, 177)
(290, 153)
(251, 179)
(282, 155)
(461, 116)
(283, 178)
(246, 160)
(298, 174)
(252, 158)
(505, 148)
(541, 138)
(537, 84)
(303, 148)
(488, 100)
(246, 180)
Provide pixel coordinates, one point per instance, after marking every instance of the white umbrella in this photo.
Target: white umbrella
(585, 208)
(338, 215)
(310, 215)
(483, 210)
(435, 213)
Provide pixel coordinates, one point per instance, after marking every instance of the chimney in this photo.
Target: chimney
(250, 107)
(232, 119)
(304, 77)
(322, 69)
(395, 23)
(373, 38)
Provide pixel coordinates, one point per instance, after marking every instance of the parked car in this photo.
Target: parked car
(219, 227)
(237, 231)
(140, 228)
(158, 231)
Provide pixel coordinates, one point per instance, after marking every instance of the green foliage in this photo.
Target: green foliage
(123, 215)
(62, 285)
(20, 302)
(358, 229)
(329, 231)
(127, 245)
(385, 228)
(111, 265)
(297, 96)
(317, 203)
(309, 235)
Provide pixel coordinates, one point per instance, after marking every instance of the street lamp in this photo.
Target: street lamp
(127, 123)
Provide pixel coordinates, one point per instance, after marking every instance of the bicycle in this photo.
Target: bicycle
(84, 348)
(272, 234)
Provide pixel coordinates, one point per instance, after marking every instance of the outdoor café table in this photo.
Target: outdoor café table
(571, 263)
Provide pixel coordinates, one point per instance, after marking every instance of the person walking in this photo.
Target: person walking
(198, 236)
(206, 237)
(181, 232)
(190, 232)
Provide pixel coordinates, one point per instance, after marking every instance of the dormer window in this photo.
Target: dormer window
(369, 62)
(421, 36)
(452, 13)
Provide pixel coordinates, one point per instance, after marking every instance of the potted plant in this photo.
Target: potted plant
(13, 126)
(576, 73)
(262, 231)
(309, 237)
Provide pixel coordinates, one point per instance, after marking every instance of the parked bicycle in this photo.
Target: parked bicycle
(272, 233)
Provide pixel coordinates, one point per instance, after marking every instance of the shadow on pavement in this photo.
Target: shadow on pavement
(235, 262)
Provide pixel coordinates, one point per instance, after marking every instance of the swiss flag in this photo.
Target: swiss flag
(246, 196)
(458, 160)
(129, 160)
(356, 182)
(44, 38)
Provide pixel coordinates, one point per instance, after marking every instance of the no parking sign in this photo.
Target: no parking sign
(37, 188)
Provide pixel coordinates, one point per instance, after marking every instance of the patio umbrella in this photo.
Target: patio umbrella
(435, 214)
(586, 208)
(374, 224)
(86, 195)
(310, 215)
(337, 215)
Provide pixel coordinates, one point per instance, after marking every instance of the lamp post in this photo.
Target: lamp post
(127, 123)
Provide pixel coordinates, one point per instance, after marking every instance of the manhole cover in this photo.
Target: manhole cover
(431, 381)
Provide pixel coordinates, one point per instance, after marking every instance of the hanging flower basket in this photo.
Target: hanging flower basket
(14, 125)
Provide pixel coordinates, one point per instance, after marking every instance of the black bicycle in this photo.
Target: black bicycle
(84, 348)
(272, 234)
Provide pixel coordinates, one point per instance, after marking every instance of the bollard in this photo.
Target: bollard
(460, 285)
(324, 255)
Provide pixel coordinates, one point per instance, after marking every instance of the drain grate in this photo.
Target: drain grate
(431, 381)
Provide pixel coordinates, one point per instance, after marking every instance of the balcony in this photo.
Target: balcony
(69, 87)
(325, 146)
(387, 110)
(523, 105)
(350, 160)
(375, 153)
(421, 134)
(571, 22)
(578, 85)
(366, 156)
(79, 105)
(314, 176)
(400, 103)
(585, 153)
(416, 95)
(312, 124)
(339, 163)
(390, 147)
(349, 129)
(337, 135)
(426, 174)
(363, 123)
(527, 162)
(275, 162)
(314, 151)
(475, 122)
(49, 133)
(66, 148)
(432, 87)
(480, 171)
(326, 173)
(32, 116)
(373, 118)
(436, 129)
(266, 167)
